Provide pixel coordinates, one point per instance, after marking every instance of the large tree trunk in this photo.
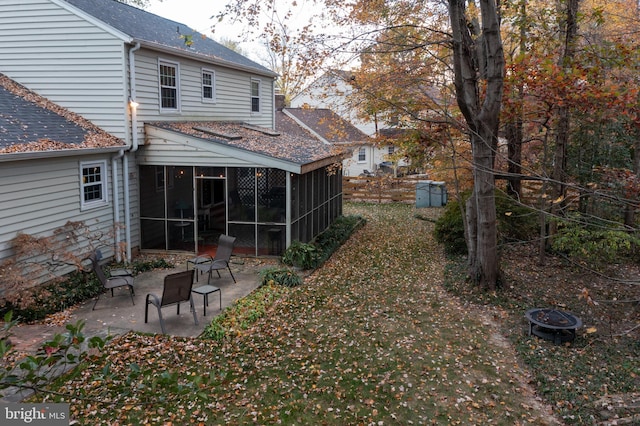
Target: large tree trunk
(478, 62)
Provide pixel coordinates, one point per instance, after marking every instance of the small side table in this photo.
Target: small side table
(206, 290)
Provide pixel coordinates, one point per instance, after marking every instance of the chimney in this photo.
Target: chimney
(280, 102)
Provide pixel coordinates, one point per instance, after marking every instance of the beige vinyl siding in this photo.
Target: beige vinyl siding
(233, 101)
(39, 196)
(67, 59)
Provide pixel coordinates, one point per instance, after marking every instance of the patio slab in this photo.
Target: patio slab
(117, 315)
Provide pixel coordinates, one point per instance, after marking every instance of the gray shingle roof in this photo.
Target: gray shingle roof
(146, 27)
(329, 125)
(29, 122)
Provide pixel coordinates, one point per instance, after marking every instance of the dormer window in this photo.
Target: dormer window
(169, 78)
(255, 95)
(208, 86)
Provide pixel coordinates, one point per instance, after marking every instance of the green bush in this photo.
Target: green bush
(449, 229)
(301, 255)
(280, 276)
(515, 223)
(312, 255)
(596, 244)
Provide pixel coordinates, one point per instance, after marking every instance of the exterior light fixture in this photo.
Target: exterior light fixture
(133, 104)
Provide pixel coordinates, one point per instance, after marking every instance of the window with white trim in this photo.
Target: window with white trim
(391, 149)
(93, 184)
(255, 95)
(362, 155)
(208, 85)
(169, 78)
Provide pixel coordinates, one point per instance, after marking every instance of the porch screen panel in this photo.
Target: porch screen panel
(271, 195)
(241, 187)
(245, 237)
(152, 185)
(152, 234)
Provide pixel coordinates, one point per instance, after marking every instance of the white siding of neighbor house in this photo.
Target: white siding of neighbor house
(232, 93)
(332, 93)
(65, 58)
(39, 196)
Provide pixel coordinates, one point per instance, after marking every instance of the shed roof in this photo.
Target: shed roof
(32, 123)
(143, 26)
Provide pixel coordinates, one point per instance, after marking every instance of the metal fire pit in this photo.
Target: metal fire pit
(552, 324)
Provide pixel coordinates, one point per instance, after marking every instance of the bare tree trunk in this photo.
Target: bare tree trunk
(513, 129)
(564, 118)
(632, 205)
(478, 62)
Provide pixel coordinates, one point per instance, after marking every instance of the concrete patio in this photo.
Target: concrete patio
(117, 315)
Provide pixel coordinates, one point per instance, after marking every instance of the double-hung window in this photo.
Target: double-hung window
(208, 86)
(93, 184)
(169, 76)
(362, 155)
(255, 95)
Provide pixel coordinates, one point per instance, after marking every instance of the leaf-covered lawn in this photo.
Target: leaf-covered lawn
(370, 338)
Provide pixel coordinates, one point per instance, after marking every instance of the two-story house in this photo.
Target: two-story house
(201, 155)
(333, 90)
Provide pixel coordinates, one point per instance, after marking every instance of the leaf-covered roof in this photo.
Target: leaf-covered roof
(30, 122)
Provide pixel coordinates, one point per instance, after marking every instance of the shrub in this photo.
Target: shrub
(596, 244)
(280, 276)
(449, 229)
(312, 255)
(515, 223)
(301, 255)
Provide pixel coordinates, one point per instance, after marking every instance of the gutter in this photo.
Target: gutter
(116, 203)
(133, 107)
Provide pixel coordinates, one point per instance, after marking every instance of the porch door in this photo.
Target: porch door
(211, 218)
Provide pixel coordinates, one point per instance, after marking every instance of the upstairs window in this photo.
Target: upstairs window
(169, 86)
(93, 184)
(362, 155)
(255, 95)
(391, 149)
(208, 85)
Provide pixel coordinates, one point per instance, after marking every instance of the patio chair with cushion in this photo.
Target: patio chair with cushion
(123, 279)
(177, 289)
(220, 260)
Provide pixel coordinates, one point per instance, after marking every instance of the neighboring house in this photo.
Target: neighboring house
(333, 130)
(331, 91)
(55, 167)
(201, 154)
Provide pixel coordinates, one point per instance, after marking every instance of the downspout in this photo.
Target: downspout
(116, 201)
(133, 107)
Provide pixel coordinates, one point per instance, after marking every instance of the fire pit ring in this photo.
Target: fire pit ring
(552, 324)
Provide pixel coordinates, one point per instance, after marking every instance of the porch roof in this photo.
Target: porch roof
(292, 152)
(31, 125)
